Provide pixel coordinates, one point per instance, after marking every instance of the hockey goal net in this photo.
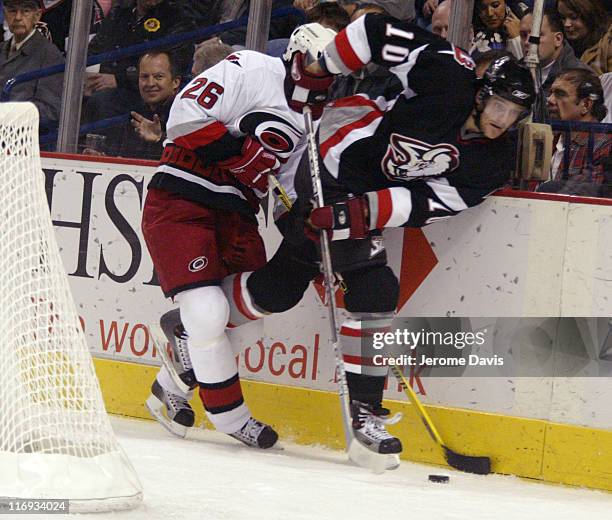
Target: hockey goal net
(56, 441)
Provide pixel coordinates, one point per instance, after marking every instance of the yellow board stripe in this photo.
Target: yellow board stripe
(530, 448)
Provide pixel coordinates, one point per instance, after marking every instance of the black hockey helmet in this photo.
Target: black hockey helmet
(506, 78)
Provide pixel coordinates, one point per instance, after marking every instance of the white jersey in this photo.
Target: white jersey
(241, 96)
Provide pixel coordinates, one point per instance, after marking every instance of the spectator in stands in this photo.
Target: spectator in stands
(588, 30)
(158, 82)
(279, 27)
(203, 12)
(440, 19)
(143, 137)
(497, 26)
(56, 15)
(305, 5)
(329, 14)
(115, 88)
(606, 83)
(28, 50)
(231, 9)
(400, 9)
(577, 95)
(429, 7)
(209, 53)
(554, 52)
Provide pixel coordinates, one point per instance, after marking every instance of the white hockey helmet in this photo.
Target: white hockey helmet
(309, 39)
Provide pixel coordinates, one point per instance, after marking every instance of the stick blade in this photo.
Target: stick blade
(468, 463)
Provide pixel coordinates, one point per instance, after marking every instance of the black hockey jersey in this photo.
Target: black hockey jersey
(410, 155)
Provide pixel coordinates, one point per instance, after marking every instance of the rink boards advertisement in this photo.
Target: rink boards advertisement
(526, 259)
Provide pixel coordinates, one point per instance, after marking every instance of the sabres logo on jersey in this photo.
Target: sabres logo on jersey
(407, 159)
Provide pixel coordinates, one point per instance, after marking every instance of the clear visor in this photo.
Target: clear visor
(502, 112)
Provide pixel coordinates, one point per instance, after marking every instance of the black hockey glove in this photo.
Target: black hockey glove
(347, 219)
(304, 89)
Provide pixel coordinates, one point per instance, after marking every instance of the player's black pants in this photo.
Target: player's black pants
(371, 289)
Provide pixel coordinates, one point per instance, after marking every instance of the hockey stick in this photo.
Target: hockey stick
(357, 452)
(280, 192)
(466, 463)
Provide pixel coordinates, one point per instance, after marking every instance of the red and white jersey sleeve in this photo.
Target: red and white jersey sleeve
(375, 38)
(393, 44)
(350, 49)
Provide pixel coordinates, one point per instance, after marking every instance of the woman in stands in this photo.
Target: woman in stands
(587, 28)
(497, 27)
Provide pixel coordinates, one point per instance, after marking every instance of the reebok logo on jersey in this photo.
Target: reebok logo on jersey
(197, 264)
(408, 159)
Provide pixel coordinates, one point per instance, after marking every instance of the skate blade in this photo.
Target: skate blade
(156, 407)
(200, 434)
(393, 461)
(375, 462)
(160, 340)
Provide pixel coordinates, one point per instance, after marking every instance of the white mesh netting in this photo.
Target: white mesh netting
(55, 437)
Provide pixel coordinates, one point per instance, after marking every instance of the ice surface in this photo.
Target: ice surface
(220, 479)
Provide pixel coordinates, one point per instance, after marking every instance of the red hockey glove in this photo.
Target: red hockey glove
(304, 89)
(253, 166)
(347, 219)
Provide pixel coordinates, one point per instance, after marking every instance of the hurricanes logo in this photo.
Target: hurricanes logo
(272, 129)
(407, 159)
(197, 264)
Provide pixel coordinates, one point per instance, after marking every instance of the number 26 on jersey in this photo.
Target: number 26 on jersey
(208, 92)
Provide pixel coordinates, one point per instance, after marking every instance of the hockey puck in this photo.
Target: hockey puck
(439, 479)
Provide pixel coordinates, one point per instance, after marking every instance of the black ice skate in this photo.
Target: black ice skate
(369, 428)
(256, 434)
(170, 410)
(180, 365)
